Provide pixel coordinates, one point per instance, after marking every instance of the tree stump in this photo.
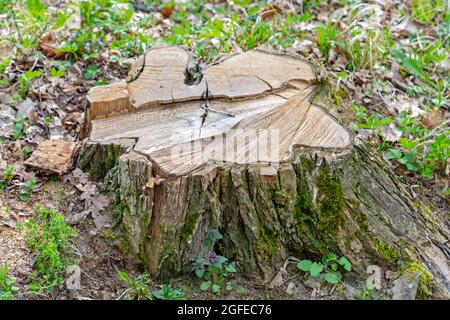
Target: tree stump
(241, 147)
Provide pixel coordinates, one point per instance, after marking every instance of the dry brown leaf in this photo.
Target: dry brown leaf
(49, 46)
(167, 12)
(433, 120)
(268, 12)
(278, 279)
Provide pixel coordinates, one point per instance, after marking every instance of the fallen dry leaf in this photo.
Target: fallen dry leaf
(49, 46)
(268, 12)
(433, 120)
(167, 12)
(278, 279)
(95, 203)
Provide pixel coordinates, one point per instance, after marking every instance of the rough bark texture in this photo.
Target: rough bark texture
(320, 202)
(321, 199)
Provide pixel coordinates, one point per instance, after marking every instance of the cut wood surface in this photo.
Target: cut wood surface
(250, 95)
(55, 156)
(180, 158)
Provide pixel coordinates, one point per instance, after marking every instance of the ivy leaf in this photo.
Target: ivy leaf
(92, 71)
(412, 166)
(329, 257)
(393, 154)
(333, 277)
(316, 269)
(200, 272)
(343, 261)
(215, 288)
(304, 265)
(205, 285)
(230, 268)
(407, 143)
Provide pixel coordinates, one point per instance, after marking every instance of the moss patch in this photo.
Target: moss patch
(116, 238)
(389, 252)
(425, 287)
(331, 201)
(99, 159)
(189, 225)
(318, 224)
(280, 197)
(266, 245)
(304, 207)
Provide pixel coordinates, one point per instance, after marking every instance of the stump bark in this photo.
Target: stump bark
(244, 149)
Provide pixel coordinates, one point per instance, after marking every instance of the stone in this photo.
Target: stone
(312, 283)
(291, 288)
(404, 289)
(25, 109)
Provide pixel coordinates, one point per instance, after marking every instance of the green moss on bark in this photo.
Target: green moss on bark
(389, 252)
(189, 225)
(98, 159)
(426, 282)
(304, 207)
(266, 245)
(331, 201)
(280, 197)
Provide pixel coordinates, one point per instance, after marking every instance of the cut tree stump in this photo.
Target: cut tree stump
(243, 149)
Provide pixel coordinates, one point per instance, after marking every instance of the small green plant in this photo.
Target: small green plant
(50, 238)
(425, 11)
(4, 64)
(371, 121)
(57, 73)
(326, 36)
(445, 193)
(412, 65)
(26, 21)
(92, 71)
(25, 81)
(421, 150)
(26, 151)
(366, 293)
(137, 287)
(215, 269)
(48, 120)
(19, 128)
(7, 288)
(167, 292)
(409, 159)
(8, 174)
(27, 190)
(329, 267)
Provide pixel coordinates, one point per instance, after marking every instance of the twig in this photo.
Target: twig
(125, 292)
(442, 128)
(15, 22)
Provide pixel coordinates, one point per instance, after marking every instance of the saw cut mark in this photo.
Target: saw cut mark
(259, 110)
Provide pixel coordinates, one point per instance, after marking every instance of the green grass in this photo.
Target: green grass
(139, 288)
(7, 288)
(51, 239)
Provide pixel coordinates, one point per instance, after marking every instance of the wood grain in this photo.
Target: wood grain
(260, 109)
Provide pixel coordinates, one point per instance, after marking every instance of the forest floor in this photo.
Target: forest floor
(386, 65)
